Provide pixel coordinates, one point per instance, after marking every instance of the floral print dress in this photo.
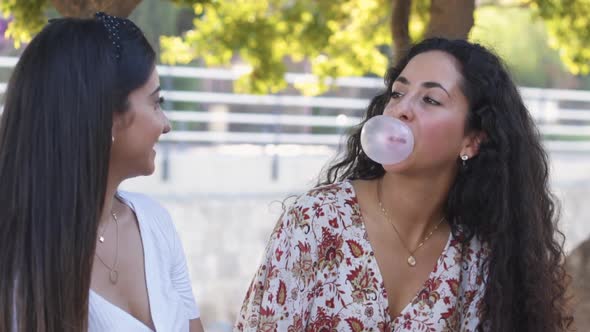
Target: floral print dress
(320, 274)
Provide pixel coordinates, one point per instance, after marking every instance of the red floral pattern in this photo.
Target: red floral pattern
(319, 274)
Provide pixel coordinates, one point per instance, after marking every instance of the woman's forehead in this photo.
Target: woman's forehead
(433, 66)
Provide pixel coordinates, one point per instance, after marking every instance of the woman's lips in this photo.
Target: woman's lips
(394, 139)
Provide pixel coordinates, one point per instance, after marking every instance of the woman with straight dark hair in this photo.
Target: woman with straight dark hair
(82, 114)
(459, 236)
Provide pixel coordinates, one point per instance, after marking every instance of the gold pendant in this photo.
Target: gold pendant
(114, 276)
(411, 261)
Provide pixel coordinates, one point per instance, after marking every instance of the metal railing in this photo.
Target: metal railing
(564, 128)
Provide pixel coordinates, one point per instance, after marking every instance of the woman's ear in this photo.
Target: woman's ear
(121, 121)
(117, 126)
(471, 144)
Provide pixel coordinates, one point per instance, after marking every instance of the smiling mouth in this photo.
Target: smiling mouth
(393, 139)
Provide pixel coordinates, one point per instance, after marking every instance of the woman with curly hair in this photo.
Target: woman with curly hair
(460, 236)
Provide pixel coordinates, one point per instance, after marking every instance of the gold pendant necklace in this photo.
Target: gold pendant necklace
(101, 237)
(411, 258)
(113, 272)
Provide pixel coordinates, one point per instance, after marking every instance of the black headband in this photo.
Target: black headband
(112, 24)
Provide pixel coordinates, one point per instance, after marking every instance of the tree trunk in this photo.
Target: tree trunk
(451, 19)
(400, 19)
(87, 8)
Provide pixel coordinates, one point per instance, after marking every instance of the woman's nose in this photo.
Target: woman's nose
(167, 126)
(400, 109)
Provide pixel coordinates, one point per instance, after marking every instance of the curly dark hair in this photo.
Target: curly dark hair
(502, 196)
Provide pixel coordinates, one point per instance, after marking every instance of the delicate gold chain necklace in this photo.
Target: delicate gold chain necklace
(101, 237)
(411, 259)
(113, 272)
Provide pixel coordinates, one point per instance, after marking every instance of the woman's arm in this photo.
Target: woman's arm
(195, 325)
(278, 298)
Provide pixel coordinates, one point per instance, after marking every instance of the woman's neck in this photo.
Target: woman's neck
(109, 206)
(414, 204)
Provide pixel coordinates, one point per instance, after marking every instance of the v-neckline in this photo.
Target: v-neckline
(379, 276)
(121, 310)
(142, 230)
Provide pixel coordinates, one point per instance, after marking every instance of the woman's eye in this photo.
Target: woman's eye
(159, 102)
(395, 94)
(431, 101)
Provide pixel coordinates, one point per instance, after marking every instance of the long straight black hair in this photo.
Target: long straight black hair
(55, 141)
(502, 196)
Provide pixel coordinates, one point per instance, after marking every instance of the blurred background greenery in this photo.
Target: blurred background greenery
(544, 42)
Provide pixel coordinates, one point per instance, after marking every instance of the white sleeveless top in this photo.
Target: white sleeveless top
(172, 303)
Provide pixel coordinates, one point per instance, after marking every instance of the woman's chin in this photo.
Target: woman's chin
(148, 168)
(398, 167)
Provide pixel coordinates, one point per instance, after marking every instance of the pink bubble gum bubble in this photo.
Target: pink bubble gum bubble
(387, 140)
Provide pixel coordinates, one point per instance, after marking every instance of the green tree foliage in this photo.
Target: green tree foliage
(338, 38)
(353, 37)
(568, 25)
(154, 18)
(520, 40)
(28, 18)
(330, 38)
(189, 2)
